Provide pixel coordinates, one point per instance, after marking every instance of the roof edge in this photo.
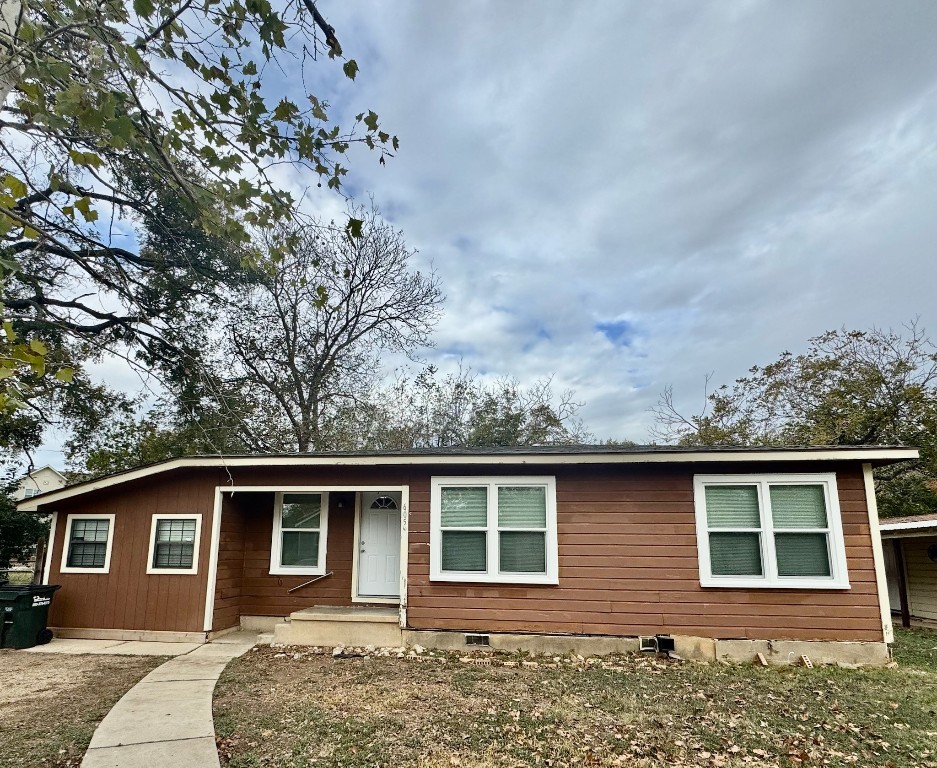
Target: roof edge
(659, 455)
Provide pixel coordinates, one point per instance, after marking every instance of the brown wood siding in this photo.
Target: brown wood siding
(628, 562)
(127, 597)
(628, 565)
(229, 578)
(266, 594)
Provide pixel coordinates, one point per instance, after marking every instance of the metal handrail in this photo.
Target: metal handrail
(311, 581)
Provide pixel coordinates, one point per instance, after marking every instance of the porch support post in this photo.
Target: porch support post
(404, 551)
(50, 545)
(902, 583)
(212, 578)
(878, 557)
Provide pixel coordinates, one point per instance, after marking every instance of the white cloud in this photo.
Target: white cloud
(729, 179)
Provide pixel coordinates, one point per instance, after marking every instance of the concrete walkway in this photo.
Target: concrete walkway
(114, 647)
(165, 720)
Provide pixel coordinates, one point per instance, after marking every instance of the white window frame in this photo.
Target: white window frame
(839, 574)
(64, 568)
(492, 575)
(276, 569)
(151, 569)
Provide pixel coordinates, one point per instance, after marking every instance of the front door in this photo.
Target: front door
(379, 545)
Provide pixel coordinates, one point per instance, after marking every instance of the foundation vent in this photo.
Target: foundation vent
(477, 640)
(647, 644)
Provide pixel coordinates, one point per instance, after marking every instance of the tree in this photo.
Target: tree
(119, 109)
(19, 531)
(461, 410)
(849, 388)
(303, 340)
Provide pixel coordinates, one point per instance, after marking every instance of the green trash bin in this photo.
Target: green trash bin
(24, 609)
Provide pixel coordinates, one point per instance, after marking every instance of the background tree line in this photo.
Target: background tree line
(851, 387)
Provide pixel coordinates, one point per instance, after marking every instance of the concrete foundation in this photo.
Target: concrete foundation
(261, 623)
(687, 647)
(147, 635)
(556, 645)
(329, 627)
(790, 651)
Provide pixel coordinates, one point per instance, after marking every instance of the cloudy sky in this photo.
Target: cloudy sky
(633, 194)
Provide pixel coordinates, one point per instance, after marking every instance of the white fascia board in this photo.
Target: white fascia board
(496, 459)
(917, 524)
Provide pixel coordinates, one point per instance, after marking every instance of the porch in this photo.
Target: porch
(327, 625)
(319, 561)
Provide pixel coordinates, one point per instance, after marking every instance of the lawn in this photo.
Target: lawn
(301, 709)
(50, 704)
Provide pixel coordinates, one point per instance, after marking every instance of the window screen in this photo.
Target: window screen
(87, 545)
(175, 543)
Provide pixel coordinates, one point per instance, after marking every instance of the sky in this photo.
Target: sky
(630, 195)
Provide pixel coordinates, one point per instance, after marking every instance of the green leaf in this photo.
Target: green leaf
(9, 330)
(249, 69)
(65, 374)
(353, 227)
(143, 8)
(38, 347)
(350, 68)
(83, 204)
(370, 121)
(16, 186)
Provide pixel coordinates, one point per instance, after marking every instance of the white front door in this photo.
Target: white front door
(379, 545)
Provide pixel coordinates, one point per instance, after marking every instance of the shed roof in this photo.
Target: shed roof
(899, 525)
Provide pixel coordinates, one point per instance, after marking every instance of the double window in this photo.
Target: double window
(88, 540)
(493, 530)
(174, 544)
(770, 531)
(299, 533)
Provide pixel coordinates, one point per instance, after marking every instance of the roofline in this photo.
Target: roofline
(907, 526)
(39, 469)
(657, 456)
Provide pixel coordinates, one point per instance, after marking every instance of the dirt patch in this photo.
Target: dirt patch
(297, 709)
(50, 704)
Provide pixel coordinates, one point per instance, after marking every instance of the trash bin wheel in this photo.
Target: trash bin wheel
(44, 636)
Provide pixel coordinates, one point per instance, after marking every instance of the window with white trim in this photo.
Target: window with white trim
(174, 541)
(88, 541)
(299, 533)
(770, 531)
(488, 529)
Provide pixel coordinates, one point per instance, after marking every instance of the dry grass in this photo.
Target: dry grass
(50, 704)
(279, 711)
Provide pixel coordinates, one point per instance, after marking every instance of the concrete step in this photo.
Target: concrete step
(329, 626)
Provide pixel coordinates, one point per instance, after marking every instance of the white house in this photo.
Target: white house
(38, 481)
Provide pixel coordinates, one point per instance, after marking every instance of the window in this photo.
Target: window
(299, 533)
(493, 529)
(28, 493)
(88, 540)
(174, 541)
(770, 531)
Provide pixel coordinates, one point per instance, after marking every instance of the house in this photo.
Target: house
(716, 553)
(910, 549)
(38, 481)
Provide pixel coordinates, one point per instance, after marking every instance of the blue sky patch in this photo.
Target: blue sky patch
(620, 332)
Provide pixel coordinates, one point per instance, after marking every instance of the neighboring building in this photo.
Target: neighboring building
(38, 481)
(910, 548)
(722, 553)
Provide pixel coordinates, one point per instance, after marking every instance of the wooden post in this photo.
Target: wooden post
(902, 583)
(39, 563)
